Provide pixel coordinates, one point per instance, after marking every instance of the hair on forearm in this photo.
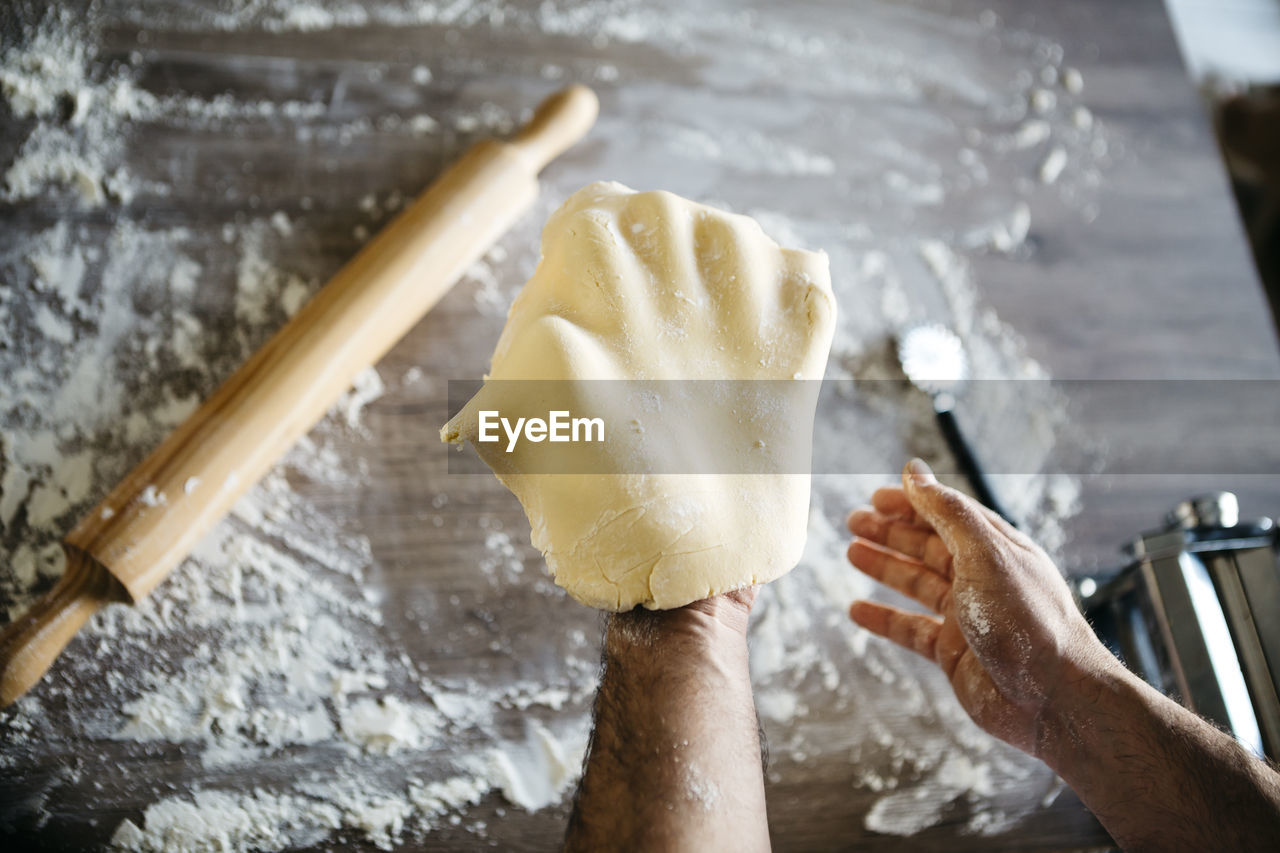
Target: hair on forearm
(671, 697)
(764, 746)
(575, 812)
(1171, 780)
(1235, 791)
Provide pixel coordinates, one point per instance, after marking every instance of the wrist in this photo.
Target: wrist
(1086, 690)
(713, 624)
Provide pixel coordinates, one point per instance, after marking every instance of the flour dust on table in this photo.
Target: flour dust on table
(275, 653)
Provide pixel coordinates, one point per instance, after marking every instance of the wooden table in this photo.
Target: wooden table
(1143, 276)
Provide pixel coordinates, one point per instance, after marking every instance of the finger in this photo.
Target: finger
(893, 532)
(914, 631)
(922, 544)
(907, 576)
(908, 538)
(956, 517)
(867, 523)
(892, 500)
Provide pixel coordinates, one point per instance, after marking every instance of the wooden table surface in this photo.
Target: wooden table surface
(1145, 275)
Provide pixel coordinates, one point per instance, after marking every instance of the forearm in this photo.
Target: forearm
(675, 755)
(1157, 776)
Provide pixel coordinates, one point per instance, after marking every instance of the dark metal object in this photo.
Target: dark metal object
(1197, 614)
(965, 458)
(934, 359)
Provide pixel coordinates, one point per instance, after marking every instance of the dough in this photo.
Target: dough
(650, 286)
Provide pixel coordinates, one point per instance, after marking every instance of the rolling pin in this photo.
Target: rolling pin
(155, 516)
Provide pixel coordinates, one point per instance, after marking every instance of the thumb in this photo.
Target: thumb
(957, 518)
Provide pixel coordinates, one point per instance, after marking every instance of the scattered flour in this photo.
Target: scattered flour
(151, 496)
(82, 152)
(272, 644)
(223, 820)
(386, 725)
(699, 789)
(978, 618)
(1053, 165)
(536, 773)
(368, 386)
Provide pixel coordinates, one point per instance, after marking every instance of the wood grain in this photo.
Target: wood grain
(29, 644)
(1160, 285)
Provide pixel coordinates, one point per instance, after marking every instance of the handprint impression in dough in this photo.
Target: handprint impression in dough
(650, 286)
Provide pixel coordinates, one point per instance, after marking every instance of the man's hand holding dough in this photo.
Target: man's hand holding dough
(648, 286)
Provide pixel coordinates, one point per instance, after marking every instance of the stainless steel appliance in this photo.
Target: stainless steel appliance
(1197, 614)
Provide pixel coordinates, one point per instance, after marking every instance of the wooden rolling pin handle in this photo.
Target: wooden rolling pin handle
(29, 645)
(559, 122)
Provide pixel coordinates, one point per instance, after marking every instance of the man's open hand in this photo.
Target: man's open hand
(1006, 631)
